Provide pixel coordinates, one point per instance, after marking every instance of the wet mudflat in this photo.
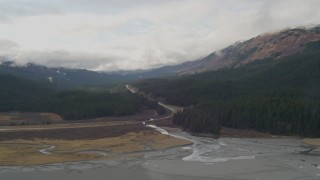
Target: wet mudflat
(206, 158)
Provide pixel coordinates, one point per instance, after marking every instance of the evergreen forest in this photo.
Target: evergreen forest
(18, 94)
(278, 96)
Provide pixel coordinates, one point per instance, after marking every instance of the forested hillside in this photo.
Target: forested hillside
(276, 96)
(60, 77)
(17, 94)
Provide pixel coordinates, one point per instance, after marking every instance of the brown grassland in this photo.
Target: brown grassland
(26, 152)
(21, 145)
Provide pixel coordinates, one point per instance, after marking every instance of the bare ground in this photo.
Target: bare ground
(26, 152)
(25, 118)
(81, 140)
(72, 133)
(312, 141)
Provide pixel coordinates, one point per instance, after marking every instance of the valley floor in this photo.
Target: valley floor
(206, 158)
(63, 141)
(127, 149)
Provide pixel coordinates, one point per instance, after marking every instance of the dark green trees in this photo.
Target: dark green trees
(276, 96)
(197, 121)
(17, 94)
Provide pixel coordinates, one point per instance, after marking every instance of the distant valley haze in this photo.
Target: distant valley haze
(113, 35)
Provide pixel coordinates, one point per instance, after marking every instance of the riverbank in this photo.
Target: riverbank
(45, 151)
(159, 156)
(207, 158)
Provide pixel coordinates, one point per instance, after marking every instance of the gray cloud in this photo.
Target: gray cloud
(15, 8)
(122, 34)
(63, 58)
(6, 44)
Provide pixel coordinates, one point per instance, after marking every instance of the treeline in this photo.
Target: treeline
(197, 120)
(274, 96)
(86, 105)
(17, 94)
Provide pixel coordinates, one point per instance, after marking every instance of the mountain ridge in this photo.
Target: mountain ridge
(269, 45)
(275, 45)
(59, 76)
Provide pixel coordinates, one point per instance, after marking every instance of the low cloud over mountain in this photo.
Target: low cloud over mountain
(126, 35)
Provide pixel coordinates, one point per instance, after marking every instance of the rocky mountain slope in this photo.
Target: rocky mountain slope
(271, 45)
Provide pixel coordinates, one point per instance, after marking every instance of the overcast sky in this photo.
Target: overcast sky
(108, 35)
